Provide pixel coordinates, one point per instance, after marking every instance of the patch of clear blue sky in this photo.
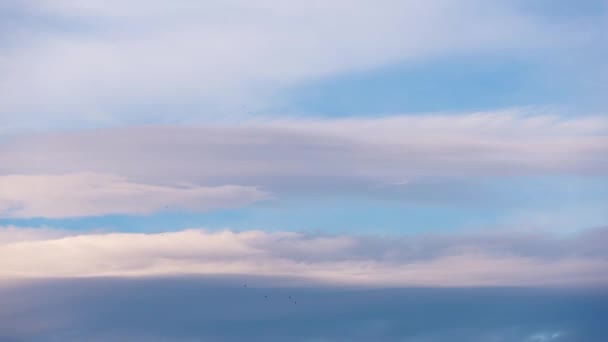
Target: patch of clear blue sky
(563, 203)
(566, 9)
(572, 77)
(455, 84)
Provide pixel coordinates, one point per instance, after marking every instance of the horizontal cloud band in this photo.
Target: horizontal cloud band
(499, 259)
(90, 194)
(342, 154)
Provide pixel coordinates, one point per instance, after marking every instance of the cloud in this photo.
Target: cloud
(12, 234)
(221, 309)
(142, 61)
(317, 155)
(91, 194)
(499, 259)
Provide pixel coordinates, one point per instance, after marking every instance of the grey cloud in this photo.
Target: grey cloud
(529, 244)
(220, 309)
(428, 158)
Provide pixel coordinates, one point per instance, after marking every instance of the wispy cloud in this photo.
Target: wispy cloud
(91, 194)
(141, 61)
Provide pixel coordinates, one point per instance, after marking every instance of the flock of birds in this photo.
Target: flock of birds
(245, 285)
(266, 296)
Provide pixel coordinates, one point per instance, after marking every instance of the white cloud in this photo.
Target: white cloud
(448, 260)
(133, 61)
(89, 194)
(546, 336)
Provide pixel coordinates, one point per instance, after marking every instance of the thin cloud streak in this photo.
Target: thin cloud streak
(93, 194)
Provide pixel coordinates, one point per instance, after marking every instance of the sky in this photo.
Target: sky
(341, 149)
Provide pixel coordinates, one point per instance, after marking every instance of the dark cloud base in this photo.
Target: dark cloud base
(222, 309)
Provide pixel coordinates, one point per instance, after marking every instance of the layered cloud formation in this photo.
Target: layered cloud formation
(490, 259)
(229, 164)
(297, 135)
(429, 159)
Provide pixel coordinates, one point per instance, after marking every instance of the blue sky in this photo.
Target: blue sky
(356, 143)
(565, 204)
(461, 83)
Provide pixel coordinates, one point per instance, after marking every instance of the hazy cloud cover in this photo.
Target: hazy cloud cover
(221, 309)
